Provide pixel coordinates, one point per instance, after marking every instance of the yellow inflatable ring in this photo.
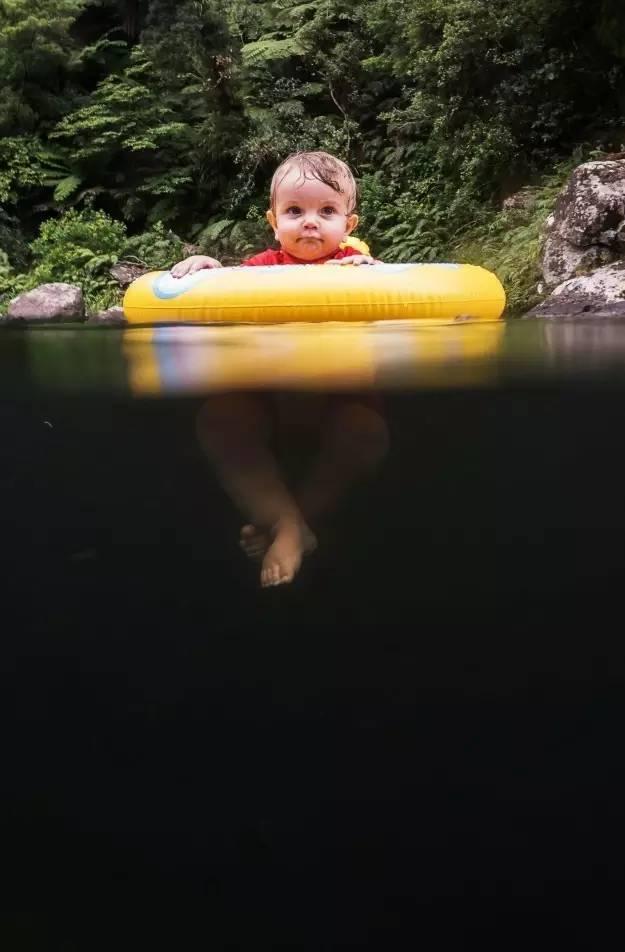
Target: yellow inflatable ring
(436, 293)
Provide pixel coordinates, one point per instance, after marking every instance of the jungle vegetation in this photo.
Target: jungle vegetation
(133, 128)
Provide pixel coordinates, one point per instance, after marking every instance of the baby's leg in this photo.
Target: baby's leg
(234, 431)
(354, 441)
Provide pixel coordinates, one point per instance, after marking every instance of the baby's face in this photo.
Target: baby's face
(310, 219)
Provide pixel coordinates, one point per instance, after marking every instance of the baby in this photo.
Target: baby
(313, 203)
(312, 214)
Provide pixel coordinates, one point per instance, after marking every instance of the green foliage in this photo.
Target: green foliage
(123, 114)
(157, 133)
(35, 50)
(231, 240)
(157, 248)
(77, 235)
(5, 267)
(508, 242)
(30, 169)
(20, 166)
(171, 115)
(267, 50)
(404, 223)
(78, 248)
(12, 242)
(491, 93)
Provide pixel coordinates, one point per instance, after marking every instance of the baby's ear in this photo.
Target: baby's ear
(350, 224)
(271, 218)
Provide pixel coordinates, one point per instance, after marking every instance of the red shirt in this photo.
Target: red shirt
(283, 257)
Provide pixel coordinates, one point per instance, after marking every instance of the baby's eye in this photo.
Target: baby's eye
(328, 210)
(293, 210)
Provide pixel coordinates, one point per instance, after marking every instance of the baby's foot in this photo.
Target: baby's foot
(292, 539)
(255, 542)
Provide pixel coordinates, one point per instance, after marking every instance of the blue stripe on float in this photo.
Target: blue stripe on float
(167, 287)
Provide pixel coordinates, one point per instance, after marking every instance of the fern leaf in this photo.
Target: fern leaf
(267, 50)
(215, 229)
(66, 187)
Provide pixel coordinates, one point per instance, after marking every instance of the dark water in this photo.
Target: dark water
(418, 742)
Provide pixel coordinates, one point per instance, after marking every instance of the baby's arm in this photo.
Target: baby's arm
(193, 264)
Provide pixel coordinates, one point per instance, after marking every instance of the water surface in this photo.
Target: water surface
(388, 355)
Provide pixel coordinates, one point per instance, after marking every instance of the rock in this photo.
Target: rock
(591, 207)
(600, 294)
(125, 272)
(520, 201)
(561, 260)
(48, 303)
(587, 227)
(614, 155)
(112, 317)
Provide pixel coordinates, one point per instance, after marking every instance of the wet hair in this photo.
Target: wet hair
(322, 166)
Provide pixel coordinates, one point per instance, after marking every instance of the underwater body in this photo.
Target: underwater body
(430, 706)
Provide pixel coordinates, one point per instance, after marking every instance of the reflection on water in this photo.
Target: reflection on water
(196, 360)
(598, 343)
(317, 356)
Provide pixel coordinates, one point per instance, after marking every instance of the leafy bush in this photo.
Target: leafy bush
(156, 248)
(80, 248)
(230, 240)
(403, 224)
(76, 237)
(77, 248)
(508, 242)
(178, 111)
(11, 284)
(12, 241)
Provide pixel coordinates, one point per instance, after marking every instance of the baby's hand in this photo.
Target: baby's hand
(355, 259)
(193, 264)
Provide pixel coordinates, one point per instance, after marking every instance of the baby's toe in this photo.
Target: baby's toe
(272, 576)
